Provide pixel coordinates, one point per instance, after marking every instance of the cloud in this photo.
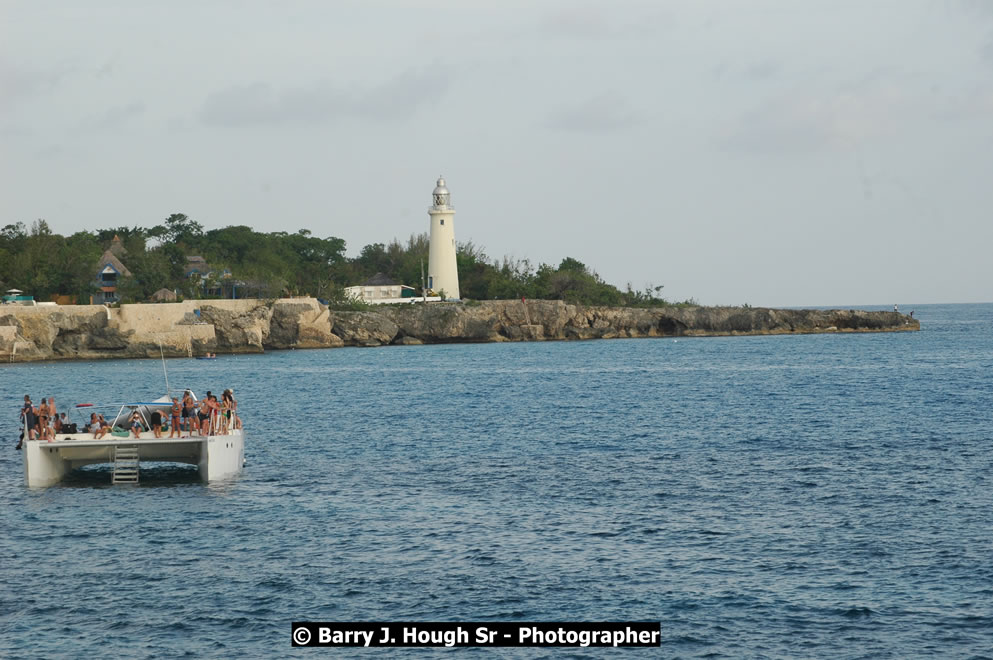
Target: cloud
(596, 22)
(814, 120)
(17, 83)
(260, 103)
(975, 103)
(979, 8)
(114, 118)
(600, 114)
(762, 70)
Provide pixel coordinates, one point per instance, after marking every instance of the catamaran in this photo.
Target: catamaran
(217, 454)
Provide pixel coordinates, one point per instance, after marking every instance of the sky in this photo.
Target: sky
(762, 152)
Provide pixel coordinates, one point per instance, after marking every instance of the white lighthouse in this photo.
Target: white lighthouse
(443, 272)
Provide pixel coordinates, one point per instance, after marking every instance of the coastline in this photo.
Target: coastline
(195, 327)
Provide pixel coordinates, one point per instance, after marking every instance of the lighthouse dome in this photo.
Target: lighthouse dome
(441, 194)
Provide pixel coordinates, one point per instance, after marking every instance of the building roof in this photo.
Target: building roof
(164, 294)
(109, 258)
(379, 279)
(196, 264)
(117, 247)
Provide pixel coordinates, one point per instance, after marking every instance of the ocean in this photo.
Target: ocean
(779, 496)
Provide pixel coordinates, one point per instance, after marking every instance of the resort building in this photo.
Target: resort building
(380, 289)
(110, 270)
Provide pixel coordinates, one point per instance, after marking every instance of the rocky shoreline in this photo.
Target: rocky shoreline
(84, 332)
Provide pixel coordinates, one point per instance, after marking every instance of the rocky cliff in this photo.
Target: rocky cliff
(243, 326)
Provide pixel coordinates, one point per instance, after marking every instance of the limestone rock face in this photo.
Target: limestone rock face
(363, 328)
(239, 326)
(301, 323)
(238, 331)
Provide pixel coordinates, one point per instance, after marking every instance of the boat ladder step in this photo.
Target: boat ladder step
(125, 465)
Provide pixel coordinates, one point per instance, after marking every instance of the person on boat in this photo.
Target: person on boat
(215, 415)
(175, 430)
(29, 417)
(104, 427)
(188, 413)
(43, 415)
(204, 415)
(229, 407)
(94, 425)
(57, 422)
(156, 423)
(234, 410)
(136, 424)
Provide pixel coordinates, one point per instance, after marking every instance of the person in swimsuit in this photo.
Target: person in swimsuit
(225, 413)
(43, 416)
(188, 413)
(104, 427)
(233, 404)
(215, 415)
(156, 423)
(174, 427)
(136, 424)
(204, 415)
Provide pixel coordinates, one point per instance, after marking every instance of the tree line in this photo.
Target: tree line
(274, 264)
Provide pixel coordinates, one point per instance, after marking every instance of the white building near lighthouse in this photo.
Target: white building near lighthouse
(443, 272)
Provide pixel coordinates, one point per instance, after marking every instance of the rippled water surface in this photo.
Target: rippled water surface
(812, 496)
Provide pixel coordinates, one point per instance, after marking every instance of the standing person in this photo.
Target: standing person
(230, 421)
(29, 417)
(43, 417)
(156, 423)
(225, 413)
(233, 403)
(174, 427)
(215, 415)
(188, 413)
(204, 415)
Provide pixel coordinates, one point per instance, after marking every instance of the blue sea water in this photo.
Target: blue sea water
(787, 496)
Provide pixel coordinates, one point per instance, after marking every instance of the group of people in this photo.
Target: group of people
(207, 416)
(42, 421)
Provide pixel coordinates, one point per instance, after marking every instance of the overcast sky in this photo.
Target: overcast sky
(835, 152)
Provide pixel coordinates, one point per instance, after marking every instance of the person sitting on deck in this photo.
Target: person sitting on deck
(136, 427)
(104, 427)
(174, 426)
(94, 425)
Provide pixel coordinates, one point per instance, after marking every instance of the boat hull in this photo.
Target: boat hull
(216, 456)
